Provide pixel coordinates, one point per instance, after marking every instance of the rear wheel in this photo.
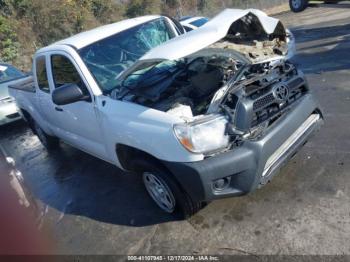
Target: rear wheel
(49, 142)
(165, 190)
(298, 5)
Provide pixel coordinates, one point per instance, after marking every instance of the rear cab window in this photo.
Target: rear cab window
(41, 74)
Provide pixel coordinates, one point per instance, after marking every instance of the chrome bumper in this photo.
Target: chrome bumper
(289, 145)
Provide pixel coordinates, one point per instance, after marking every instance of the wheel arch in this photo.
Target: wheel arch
(31, 117)
(127, 154)
(27, 117)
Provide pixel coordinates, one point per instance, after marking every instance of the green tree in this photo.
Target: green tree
(107, 11)
(5, 7)
(8, 41)
(143, 7)
(21, 7)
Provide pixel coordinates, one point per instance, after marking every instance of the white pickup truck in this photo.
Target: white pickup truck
(204, 115)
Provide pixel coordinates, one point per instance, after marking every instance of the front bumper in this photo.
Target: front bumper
(8, 112)
(254, 163)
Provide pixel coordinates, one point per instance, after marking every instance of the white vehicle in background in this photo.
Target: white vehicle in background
(200, 116)
(190, 23)
(8, 75)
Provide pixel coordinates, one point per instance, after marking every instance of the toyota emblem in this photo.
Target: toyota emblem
(280, 93)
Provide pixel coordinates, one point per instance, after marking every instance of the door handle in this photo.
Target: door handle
(58, 109)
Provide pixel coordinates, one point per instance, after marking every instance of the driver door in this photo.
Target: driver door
(78, 122)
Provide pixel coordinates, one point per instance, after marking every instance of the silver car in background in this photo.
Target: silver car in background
(9, 75)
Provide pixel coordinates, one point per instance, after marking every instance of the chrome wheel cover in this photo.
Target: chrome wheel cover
(159, 192)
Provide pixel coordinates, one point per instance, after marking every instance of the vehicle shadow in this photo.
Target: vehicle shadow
(322, 48)
(339, 5)
(76, 183)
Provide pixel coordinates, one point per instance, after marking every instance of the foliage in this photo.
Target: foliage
(36, 23)
(5, 7)
(60, 19)
(143, 7)
(8, 41)
(106, 11)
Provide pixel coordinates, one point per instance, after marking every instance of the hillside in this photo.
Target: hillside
(26, 25)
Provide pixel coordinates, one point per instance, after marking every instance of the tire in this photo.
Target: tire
(298, 5)
(49, 142)
(181, 204)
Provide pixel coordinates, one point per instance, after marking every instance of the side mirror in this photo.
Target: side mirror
(67, 94)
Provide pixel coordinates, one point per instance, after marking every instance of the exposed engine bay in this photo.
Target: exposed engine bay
(244, 77)
(203, 82)
(188, 82)
(229, 91)
(216, 81)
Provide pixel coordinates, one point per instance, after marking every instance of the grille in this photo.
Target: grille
(260, 105)
(264, 101)
(268, 99)
(267, 107)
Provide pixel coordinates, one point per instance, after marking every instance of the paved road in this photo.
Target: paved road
(91, 207)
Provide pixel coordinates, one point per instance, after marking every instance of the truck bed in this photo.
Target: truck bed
(25, 84)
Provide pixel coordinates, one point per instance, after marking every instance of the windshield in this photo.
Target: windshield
(109, 57)
(8, 73)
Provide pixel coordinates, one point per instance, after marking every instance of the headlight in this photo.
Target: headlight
(204, 136)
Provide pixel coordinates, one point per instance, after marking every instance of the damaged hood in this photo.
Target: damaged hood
(213, 31)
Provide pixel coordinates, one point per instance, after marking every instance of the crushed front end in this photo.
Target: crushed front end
(270, 114)
(241, 104)
(252, 161)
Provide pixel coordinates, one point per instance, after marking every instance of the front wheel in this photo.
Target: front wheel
(49, 142)
(165, 190)
(298, 5)
(159, 191)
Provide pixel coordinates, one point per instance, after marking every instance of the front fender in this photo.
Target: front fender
(142, 128)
